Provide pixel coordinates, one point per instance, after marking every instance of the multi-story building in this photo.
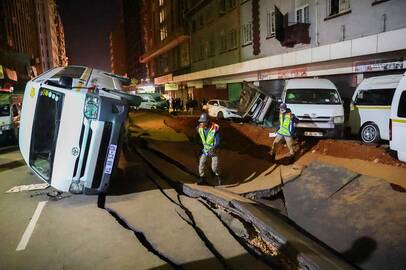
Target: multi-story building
(19, 50)
(51, 37)
(343, 40)
(63, 59)
(134, 38)
(118, 49)
(166, 41)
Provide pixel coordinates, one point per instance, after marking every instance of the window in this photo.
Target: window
(302, 14)
(162, 16)
(164, 33)
(337, 6)
(212, 47)
(312, 96)
(402, 105)
(232, 39)
(246, 33)
(223, 41)
(270, 23)
(231, 4)
(375, 97)
(222, 6)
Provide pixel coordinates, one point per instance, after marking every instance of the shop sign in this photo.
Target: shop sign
(171, 87)
(163, 79)
(378, 65)
(292, 73)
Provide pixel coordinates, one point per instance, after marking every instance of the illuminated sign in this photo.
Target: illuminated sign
(171, 87)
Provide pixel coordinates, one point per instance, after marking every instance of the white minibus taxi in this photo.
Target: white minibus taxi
(318, 106)
(397, 125)
(370, 108)
(70, 126)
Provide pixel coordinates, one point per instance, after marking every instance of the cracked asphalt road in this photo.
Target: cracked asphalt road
(146, 224)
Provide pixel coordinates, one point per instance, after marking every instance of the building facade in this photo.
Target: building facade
(51, 35)
(343, 40)
(118, 49)
(166, 39)
(19, 47)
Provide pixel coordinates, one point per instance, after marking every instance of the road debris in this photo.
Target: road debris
(31, 187)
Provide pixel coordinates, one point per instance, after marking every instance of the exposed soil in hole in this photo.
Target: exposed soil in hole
(254, 140)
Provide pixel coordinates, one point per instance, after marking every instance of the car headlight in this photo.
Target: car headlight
(91, 109)
(338, 119)
(6, 127)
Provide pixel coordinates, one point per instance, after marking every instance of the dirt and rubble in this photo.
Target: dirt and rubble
(254, 140)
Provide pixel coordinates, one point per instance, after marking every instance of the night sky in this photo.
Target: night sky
(87, 26)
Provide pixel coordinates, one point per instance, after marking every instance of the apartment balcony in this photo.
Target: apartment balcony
(295, 34)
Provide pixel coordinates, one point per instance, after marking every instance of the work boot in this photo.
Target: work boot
(219, 180)
(273, 156)
(201, 180)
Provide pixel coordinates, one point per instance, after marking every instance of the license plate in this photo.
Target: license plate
(313, 133)
(110, 159)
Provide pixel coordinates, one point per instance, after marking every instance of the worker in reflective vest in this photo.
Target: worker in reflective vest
(210, 138)
(287, 121)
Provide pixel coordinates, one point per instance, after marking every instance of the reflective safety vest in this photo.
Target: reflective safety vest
(285, 124)
(209, 140)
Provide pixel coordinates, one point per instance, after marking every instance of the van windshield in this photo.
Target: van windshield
(312, 96)
(4, 110)
(45, 131)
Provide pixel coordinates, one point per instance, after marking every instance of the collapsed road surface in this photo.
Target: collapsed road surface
(145, 222)
(354, 206)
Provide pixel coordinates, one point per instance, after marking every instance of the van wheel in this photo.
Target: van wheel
(370, 133)
(220, 115)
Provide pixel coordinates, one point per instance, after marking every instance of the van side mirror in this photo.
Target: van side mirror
(65, 82)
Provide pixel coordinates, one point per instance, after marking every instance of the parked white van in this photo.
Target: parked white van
(397, 125)
(318, 106)
(70, 125)
(371, 107)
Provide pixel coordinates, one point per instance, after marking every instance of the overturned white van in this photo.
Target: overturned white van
(70, 127)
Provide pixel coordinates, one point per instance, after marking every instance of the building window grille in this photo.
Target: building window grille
(302, 14)
(335, 7)
(270, 23)
(246, 33)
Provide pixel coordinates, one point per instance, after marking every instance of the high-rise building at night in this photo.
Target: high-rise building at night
(50, 32)
(118, 49)
(19, 45)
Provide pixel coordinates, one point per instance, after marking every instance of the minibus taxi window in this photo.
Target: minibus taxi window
(4, 109)
(375, 97)
(402, 105)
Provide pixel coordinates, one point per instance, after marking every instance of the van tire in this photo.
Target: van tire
(370, 133)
